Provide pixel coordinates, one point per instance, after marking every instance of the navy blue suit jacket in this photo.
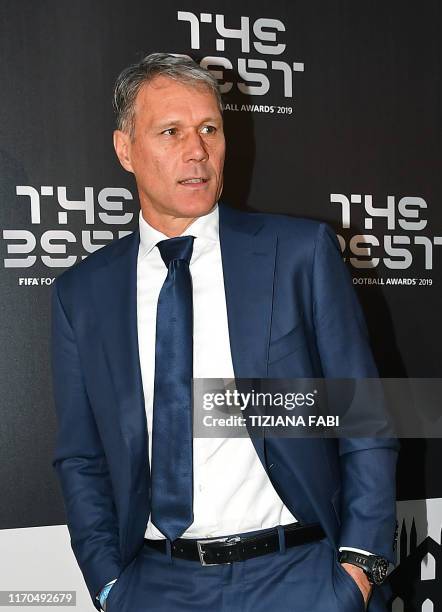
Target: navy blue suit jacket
(292, 312)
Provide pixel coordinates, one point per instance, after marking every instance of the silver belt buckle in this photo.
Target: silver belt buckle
(200, 543)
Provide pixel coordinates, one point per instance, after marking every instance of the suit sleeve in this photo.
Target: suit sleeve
(367, 465)
(80, 463)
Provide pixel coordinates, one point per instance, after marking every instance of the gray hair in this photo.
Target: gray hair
(129, 82)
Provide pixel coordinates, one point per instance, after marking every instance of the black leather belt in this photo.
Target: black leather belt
(238, 548)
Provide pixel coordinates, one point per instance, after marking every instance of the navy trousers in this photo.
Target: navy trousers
(306, 578)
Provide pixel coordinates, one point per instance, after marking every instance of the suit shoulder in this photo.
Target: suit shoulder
(300, 228)
(83, 270)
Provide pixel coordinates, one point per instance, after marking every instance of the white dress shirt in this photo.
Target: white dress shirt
(232, 492)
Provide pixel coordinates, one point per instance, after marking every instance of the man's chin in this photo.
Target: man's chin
(194, 207)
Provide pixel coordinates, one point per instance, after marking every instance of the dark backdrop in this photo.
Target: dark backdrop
(333, 112)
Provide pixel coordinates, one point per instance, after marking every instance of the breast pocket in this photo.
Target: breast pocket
(289, 343)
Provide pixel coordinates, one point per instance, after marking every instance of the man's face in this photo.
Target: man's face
(177, 150)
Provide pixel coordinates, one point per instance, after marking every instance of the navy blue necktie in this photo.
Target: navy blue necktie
(171, 469)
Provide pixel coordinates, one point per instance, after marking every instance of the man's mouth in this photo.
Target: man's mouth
(193, 180)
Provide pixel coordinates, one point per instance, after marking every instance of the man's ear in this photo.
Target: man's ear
(122, 149)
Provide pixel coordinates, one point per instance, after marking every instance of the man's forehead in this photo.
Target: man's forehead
(161, 99)
(166, 88)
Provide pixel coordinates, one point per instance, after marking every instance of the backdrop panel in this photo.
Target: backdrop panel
(332, 112)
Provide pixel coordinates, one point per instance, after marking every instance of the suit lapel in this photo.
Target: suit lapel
(248, 256)
(115, 290)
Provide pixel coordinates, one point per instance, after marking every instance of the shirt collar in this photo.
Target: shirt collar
(206, 226)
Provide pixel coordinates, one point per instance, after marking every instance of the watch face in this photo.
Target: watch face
(379, 570)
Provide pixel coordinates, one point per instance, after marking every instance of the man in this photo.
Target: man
(155, 517)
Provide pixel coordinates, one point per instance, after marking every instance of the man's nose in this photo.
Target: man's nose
(194, 147)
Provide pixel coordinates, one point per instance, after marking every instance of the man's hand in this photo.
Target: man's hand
(361, 580)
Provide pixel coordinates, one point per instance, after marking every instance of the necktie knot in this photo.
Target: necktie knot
(180, 247)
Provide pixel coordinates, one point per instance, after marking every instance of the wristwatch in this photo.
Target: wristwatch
(374, 567)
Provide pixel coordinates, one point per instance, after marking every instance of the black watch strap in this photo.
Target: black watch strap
(375, 567)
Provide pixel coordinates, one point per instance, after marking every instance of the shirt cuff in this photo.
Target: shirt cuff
(356, 550)
(102, 595)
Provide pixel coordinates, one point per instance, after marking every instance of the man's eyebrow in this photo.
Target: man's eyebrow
(168, 122)
(211, 119)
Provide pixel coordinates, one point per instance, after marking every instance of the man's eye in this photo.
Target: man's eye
(169, 131)
(209, 129)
